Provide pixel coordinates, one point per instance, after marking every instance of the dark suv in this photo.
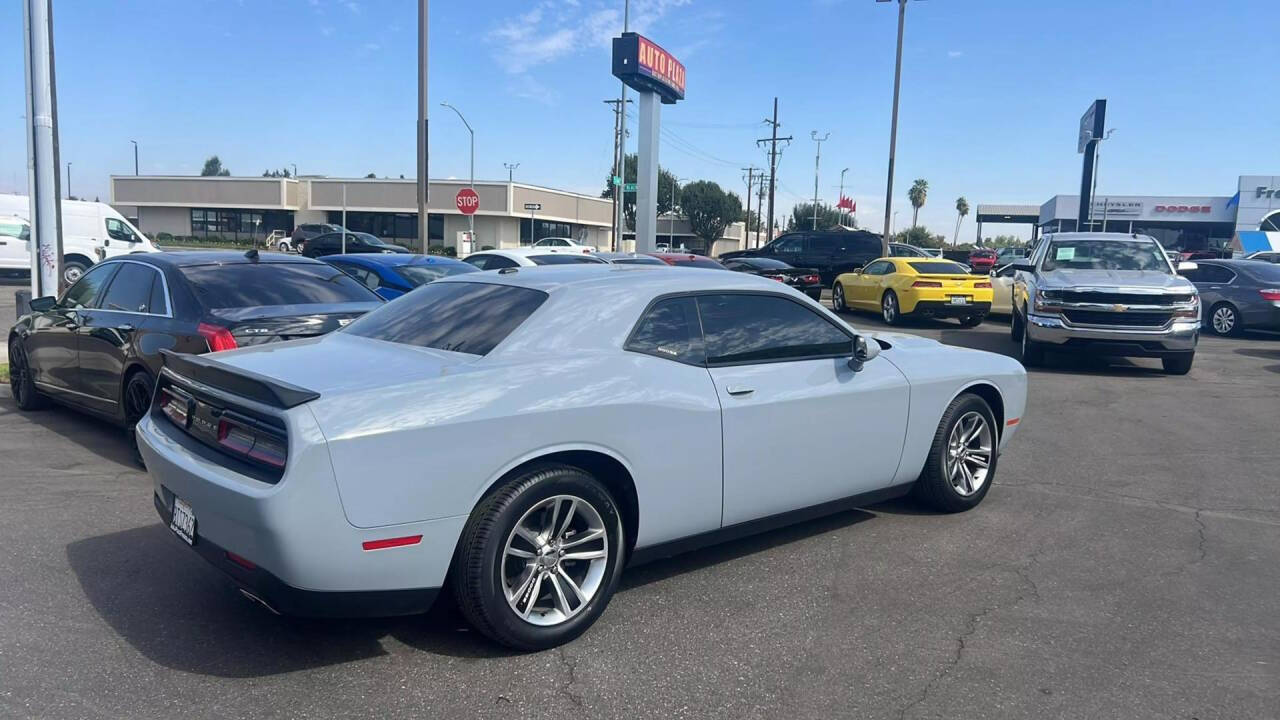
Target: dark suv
(356, 242)
(830, 253)
(306, 231)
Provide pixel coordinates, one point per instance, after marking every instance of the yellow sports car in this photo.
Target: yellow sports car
(926, 287)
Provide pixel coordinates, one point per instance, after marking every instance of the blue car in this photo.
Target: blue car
(392, 275)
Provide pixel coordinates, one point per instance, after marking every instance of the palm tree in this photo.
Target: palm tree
(919, 190)
(962, 209)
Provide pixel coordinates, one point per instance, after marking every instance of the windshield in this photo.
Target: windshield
(260, 284)
(1094, 254)
(417, 275)
(766, 264)
(369, 239)
(461, 317)
(564, 259)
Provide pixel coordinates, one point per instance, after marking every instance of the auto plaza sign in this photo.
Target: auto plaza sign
(644, 65)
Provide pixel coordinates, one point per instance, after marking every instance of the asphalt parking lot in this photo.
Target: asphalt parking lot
(1124, 565)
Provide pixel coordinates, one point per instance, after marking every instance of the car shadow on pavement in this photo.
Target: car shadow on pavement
(99, 437)
(1058, 363)
(179, 612)
(665, 568)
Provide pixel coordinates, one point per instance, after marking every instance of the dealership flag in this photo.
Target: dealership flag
(847, 204)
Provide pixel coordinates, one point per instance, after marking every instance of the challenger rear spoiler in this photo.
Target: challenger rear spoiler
(244, 383)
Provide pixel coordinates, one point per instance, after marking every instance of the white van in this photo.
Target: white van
(91, 232)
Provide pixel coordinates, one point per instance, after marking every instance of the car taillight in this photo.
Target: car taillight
(811, 279)
(926, 283)
(1270, 294)
(254, 443)
(218, 337)
(175, 406)
(779, 278)
(982, 285)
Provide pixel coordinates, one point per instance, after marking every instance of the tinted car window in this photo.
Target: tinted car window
(130, 291)
(765, 263)
(258, 284)
(881, 267)
(759, 328)
(491, 262)
(119, 231)
(642, 260)
(417, 275)
(1213, 274)
(789, 244)
(565, 260)
(863, 244)
(158, 304)
(824, 243)
(88, 290)
(938, 268)
(699, 262)
(670, 330)
(462, 317)
(1269, 274)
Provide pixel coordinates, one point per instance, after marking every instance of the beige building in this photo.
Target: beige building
(241, 208)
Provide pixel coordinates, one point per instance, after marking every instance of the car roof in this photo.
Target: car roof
(1099, 236)
(392, 259)
(662, 280)
(191, 258)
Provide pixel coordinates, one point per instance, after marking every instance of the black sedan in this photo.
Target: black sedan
(97, 347)
(805, 280)
(355, 242)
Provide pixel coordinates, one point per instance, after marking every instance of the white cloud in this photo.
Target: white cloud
(354, 7)
(326, 31)
(955, 53)
(372, 47)
(526, 87)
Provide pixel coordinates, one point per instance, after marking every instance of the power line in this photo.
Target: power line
(773, 158)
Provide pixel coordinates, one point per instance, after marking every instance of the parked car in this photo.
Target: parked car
(354, 242)
(1105, 294)
(1006, 255)
(904, 250)
(494, 453)
(528, 257)
(625, 258)
(1265, 256)
(563, 244)
(91, 232)
(688, 260)
(97, 347)
(391, 275)
(830, 253)
(982, 260)
(1237, 294)
(804, 280)
(304, 232)
(921, 287)
(1002, 289)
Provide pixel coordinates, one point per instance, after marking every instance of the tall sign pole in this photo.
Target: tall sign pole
(43, 162)
(1093, 126)
(659, 79)
(423, 182)
(893, 131)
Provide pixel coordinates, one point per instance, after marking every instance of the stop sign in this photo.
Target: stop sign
(468, 201)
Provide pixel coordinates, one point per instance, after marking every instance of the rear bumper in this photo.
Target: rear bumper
(940, 308)
(1177, 339)
(284, 599)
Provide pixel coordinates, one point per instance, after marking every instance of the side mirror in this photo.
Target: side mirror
(864, 350)
(1024, 266)
(1187, 266)
(42, 304)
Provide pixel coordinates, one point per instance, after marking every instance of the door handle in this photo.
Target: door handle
(739, 390)
(125, 328)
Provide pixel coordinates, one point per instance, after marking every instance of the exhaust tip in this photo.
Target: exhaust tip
(258, 600)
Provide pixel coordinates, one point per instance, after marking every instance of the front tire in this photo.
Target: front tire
(1224, 320)
(889, 308)
(540, 558)
(837, 298)
(962, 459)
(1178, 364)
(283, 246)
(1030, 352)
(21, 381)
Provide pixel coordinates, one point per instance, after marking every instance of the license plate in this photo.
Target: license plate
(183, 522)
(959, 300)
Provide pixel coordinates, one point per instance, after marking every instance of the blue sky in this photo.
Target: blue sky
(992, 91)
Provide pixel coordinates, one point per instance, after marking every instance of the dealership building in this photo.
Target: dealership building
(1247, 221)
(243, 208)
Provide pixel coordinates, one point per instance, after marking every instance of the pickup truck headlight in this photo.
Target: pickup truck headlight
(1046, 300)
(1189, 310)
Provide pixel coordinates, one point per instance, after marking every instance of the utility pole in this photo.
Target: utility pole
(42, 149)
(423, 189)
(135, 157)
(619, 218)
(511, 171)
(816, 160)
(759, 206)
(746, 228)
(68, 180)
(773, 159)
(617, 172)
(893, 131)
(841, 198)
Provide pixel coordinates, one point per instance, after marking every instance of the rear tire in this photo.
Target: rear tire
(1224, 320)
(137, 401)
(1015, 327)
(500, 555)
(837, 298)
(73, 270)
(21, 384)
(1178, 364)
(954, 477)
(890, 310)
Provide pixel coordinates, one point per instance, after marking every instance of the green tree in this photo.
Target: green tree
(370, 175)
(1003, 241)
(919, 237)
(213, 167)
(281, 173)
(709, 209)
(962, 209)
(917, 194)
(829, 218)
(666, 183)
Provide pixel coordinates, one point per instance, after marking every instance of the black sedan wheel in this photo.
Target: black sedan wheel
(137, 400)
(21, 383)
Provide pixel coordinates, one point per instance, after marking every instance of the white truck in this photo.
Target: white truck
(91, 232)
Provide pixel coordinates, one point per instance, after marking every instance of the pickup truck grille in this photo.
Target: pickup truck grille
(1118, 319)
(1106, 298)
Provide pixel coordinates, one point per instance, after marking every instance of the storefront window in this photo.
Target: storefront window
(1270, 223)
(239, 225)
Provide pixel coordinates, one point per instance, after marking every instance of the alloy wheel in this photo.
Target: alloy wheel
(71, 274)
(969, 449)
(837, 298)
(889, 308)
(1224, 320)
(554, 560)
(17, 372)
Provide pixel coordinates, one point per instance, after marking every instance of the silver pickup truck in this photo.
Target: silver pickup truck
(1108, 294)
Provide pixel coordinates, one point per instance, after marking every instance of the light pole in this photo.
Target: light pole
(135, 157)
(841, 198)
(511, 171)
(1093, 192)
(671, 221)
(471, 219)
(68, 180)
(295, 169)
(817, 158)
(893, 127)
